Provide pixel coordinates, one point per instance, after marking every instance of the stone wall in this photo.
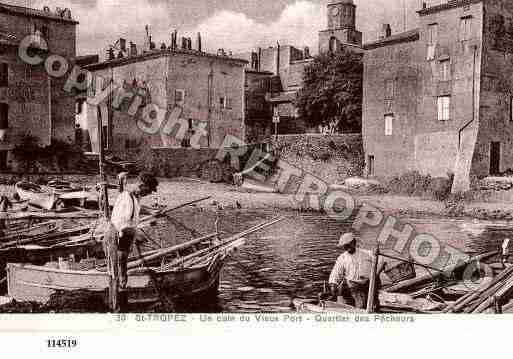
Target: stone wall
(205, 163)
(331, 158)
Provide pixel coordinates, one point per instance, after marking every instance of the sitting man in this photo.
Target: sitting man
(125, 218)
(349, 279)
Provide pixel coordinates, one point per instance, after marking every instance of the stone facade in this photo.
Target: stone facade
(33, 103)
(341, 31)
(187, 86)
(437, 99)
(258, 110)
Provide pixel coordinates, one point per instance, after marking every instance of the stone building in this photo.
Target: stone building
(285, 65)
(439, 98)
(341, 31)
(257, 107)
(32, 103)
(191, 92)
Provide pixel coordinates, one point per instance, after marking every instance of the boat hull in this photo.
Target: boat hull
(36, 196)
(36, 283)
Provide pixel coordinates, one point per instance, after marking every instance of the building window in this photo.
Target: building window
(432, 34)
(4, 74)
(370, 165)
(4, 116)
(432, 40)
(444, 108)
(389, 124)
(445, 70)
(389, 89)
(179, 97)
(45, 32)
(333, 44)
(225, 102)
(465, 28)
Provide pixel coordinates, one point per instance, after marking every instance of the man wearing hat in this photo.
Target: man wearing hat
(125, 218)
(349, 279)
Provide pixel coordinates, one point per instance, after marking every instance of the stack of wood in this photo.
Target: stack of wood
(490, 295)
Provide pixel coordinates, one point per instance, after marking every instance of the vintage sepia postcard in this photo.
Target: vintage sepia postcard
(323, 167)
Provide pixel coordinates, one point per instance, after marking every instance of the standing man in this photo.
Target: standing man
(349, 279)
(125, 218)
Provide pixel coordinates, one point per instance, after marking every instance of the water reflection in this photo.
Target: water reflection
(294, 257)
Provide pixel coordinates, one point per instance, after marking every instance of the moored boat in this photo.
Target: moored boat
(145, 285)
(36, 195)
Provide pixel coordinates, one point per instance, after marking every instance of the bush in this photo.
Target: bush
(414, 183)
(31, 157)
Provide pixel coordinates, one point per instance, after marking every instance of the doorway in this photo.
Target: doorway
(495, 158)
(370, 166)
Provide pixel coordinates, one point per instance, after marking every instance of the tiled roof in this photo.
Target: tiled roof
(448, 5)
(158, 53)
(25, 11)
(407, 36)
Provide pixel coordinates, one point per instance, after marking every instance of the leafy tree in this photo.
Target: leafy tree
(332, 92)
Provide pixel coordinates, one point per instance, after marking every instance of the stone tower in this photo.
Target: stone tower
(341, 27)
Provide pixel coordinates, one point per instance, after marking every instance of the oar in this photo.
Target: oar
(167, 210)
(194, 258)
(411, 262)
(166, 251)
(225, 242)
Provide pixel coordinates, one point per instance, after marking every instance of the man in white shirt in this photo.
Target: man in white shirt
(125, 218)
(349, 278)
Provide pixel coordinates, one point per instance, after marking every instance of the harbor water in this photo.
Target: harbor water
(294, 257)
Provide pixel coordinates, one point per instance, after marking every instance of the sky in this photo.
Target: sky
(236, 25)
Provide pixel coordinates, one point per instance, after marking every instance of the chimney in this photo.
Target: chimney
(306, 52)
(110, 54)
(122, 44)
(174, 40)
(254, 60)
(133, 49)
(278, 59)
(259, 58)
(386, 31)
(199, 42)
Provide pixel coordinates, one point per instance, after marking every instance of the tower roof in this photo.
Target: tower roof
(348, 2)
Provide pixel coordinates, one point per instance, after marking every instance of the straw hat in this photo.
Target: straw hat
(346, 238)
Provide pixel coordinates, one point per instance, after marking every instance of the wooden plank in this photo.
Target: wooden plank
(404, 285)
(469, 297)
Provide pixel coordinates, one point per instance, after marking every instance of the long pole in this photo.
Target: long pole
(112, 247)
(372, 282)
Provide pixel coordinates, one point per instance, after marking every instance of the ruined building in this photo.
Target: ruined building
(439, 98)
(33, 103)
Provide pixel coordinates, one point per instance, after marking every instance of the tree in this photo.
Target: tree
(332, 92)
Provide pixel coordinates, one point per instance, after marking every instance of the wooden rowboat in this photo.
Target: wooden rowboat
(69, 193)
(146, 286)
(389, 303)
(30, 231)
(36, 195)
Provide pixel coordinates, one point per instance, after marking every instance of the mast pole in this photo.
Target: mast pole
(112, 246)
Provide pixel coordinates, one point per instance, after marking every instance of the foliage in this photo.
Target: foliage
(413, 183)
(332, 92)
(31, 157)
